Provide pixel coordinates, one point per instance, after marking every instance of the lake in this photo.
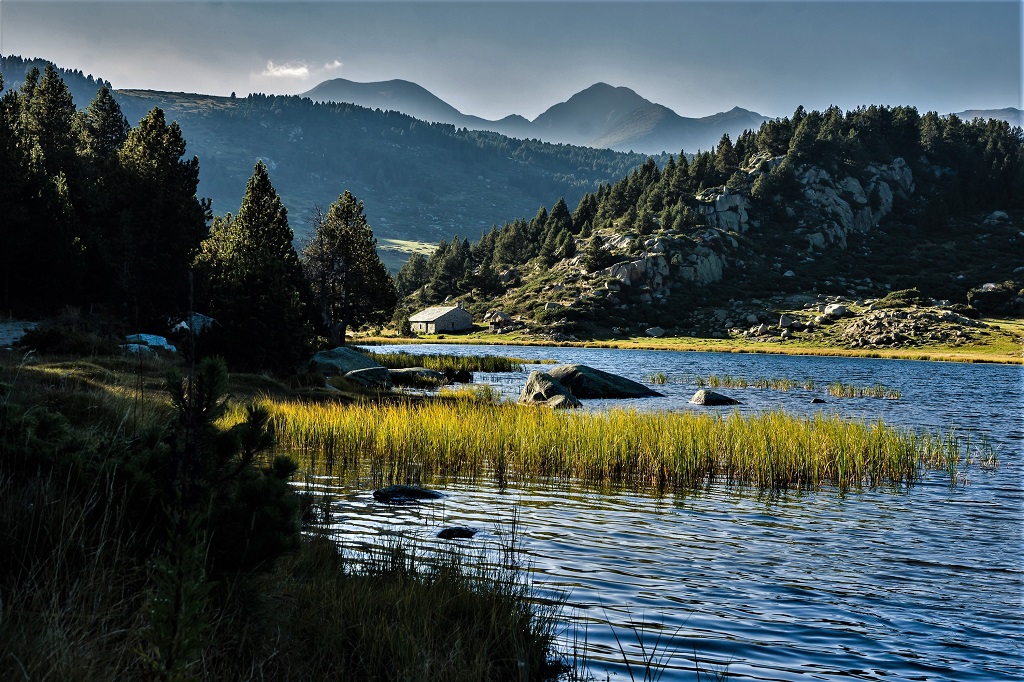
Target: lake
(919, 584)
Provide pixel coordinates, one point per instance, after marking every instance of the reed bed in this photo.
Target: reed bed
(659, 450)
(453, 363)
(729, 381)
(840, 390)
(836, 389)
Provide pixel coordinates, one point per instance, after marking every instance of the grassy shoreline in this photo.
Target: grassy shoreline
(106, 574)
(1005, 352)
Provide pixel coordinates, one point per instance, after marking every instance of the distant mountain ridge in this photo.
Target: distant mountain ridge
(1014, 117)
(601, 116)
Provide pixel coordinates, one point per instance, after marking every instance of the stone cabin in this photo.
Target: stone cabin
(441, 319)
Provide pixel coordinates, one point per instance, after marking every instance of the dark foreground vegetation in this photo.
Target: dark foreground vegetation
(142, 541)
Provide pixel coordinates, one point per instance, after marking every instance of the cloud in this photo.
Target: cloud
(336, 64)
(287, 70)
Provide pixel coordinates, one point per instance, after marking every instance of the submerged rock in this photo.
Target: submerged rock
(587, 382)
(542, 389)
(403, 494)
(704, 397)
(457, 533)
(817, 401)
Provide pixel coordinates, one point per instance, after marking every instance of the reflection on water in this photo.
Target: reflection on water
(921, 585)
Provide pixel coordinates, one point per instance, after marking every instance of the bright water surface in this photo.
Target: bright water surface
(925, 584)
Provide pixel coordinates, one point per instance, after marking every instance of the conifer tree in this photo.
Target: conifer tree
(349, 283)
(163, 221)
(253, 282)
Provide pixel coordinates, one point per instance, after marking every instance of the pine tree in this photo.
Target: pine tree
(104, 127)
(412, 275)
(349, 283)
(253, 282)
(162, 222)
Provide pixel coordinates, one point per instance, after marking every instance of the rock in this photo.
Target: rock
(404, 494)
(656, 332)
(762, 330)
(787, 333)
(815, 240)
(341, 360)
(196, 322)
(785, 321)
(817, 401)
(705, 397)
(587, 382)
(752, 319)
(147, 344)
(836, 311)
(542, 388)
(416, 376)
(458, 376)
(371, 377)
(457, 533)
(996, 217)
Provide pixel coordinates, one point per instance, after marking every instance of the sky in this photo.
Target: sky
(494, 58)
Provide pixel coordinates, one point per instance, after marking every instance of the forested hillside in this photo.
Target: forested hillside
(420, 181)
(857, 203)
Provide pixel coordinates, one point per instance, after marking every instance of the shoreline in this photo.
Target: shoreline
(970, 354)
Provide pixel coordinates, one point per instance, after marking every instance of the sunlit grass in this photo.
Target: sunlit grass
(836, 389)
(452, 363)
(659, 450)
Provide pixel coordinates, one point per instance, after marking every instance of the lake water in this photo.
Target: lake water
(925, 584)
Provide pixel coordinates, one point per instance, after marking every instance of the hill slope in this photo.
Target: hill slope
(420, 181)
(858, 205)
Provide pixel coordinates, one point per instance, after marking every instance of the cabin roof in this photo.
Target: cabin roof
(434, 313)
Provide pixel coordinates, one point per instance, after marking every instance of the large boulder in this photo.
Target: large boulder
(371, 377)
(587, 382)
(541, 388)
(341, 360)
(710, 398)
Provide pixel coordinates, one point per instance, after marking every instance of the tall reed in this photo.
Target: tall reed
(465, 438)
(452, 363)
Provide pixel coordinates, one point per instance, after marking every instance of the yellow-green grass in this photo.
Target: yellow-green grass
(452, 363)
(1004, 344)
(836, 389)
(659, 450)
(729, 381)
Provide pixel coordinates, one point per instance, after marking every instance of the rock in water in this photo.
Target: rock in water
(457, 533)
(587, 382)
(403, 494)
(417, 376)
(703, 397)
(541, 389)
